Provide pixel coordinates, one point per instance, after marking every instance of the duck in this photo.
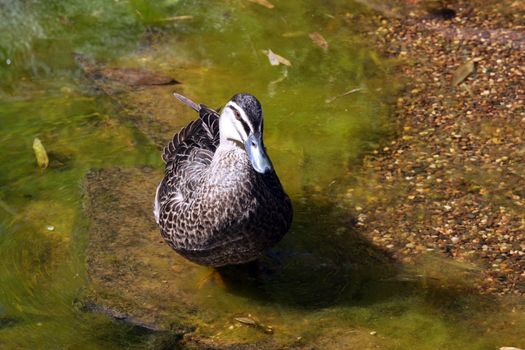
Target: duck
(220, 201)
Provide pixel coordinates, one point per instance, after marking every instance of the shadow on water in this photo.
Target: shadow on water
(325, 261)
(322, 261)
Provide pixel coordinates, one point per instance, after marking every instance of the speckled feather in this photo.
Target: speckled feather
(213, 207)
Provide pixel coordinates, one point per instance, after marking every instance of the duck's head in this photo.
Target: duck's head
(241, 121)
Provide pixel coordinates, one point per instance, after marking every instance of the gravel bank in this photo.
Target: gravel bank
(453, 180)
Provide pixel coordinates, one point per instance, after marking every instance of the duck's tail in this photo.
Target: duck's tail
(187, 101)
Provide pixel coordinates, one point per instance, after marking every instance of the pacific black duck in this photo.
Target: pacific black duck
(220, 201)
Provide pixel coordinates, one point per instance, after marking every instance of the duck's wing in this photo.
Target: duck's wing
(197, 141)
(189, 153)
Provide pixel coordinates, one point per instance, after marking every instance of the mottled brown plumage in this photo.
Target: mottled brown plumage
(213, 206)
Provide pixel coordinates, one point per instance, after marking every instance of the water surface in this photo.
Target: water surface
(335, 287)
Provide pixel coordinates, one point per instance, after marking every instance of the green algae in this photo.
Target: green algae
(334, 287)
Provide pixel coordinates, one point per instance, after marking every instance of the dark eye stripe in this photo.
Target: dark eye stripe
(244, 124)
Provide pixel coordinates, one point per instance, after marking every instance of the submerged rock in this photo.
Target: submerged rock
(134, 277)
(127, 76)
(131, 270)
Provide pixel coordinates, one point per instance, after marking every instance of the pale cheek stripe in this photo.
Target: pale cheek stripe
(245, 125)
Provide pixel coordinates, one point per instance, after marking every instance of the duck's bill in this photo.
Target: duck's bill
(257, 154)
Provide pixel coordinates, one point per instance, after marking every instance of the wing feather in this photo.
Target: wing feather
(190, 152)
(200, 133)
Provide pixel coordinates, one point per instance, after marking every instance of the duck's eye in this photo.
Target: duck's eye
(237, 114)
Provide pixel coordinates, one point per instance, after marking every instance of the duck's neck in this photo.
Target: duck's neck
(230, 162)
(229, 152)
(228, 144)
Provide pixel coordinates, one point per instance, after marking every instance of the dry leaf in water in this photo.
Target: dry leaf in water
(462, 72)
(319, 40)
(246, 320)
(275, 59)
(40, 153)
(264, 3)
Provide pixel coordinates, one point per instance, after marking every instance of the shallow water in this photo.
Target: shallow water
(334, 287)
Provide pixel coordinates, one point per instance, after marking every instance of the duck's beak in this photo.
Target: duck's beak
(257, 153)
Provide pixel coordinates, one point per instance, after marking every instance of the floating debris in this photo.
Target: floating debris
(275, 59)
(40, 153)
(50, 228)
(319, 40)
(264, 3)
(462, 72)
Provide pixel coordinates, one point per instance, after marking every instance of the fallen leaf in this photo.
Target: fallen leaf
(319, 40)
(264, 3)
(40, 153)
(275, 59)
(462, 72)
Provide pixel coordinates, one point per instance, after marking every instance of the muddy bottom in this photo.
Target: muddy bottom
(323, 286)
(136, 278)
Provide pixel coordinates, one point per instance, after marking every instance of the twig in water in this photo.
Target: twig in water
(176, 18)
(332, 99)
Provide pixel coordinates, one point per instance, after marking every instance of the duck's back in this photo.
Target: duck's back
(188, 156)
(211, 206)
